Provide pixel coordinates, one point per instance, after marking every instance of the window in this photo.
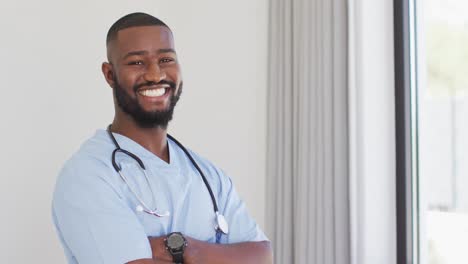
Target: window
(443, 131)
(431, 42)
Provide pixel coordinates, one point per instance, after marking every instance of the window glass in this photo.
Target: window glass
(442, 110)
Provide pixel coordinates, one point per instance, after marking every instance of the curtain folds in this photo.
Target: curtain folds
(307, 142)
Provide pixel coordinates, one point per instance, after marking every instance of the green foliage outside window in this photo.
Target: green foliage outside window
(447, 59)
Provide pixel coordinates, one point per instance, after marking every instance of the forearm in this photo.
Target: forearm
(199, 252)
(247, 252)
(149, 261)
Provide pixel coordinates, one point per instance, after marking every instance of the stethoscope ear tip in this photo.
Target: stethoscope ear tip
(166, 213)
(139, 208)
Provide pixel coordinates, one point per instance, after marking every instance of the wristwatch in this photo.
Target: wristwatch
(175, 244)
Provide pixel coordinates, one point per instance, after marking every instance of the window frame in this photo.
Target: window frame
(406, 130)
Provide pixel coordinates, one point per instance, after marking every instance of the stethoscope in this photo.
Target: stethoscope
(221, 225)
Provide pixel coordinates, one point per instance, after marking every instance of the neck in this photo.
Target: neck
(152, 139)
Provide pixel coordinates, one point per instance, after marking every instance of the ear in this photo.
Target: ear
(109, 73)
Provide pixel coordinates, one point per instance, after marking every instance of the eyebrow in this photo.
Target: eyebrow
(166, 51)
(144, 52)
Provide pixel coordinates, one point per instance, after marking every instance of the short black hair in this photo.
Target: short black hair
(137, 19)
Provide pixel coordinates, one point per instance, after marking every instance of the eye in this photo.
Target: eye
(135, 63)
(167, 60)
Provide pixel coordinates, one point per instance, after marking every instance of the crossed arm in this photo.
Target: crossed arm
(199, 252)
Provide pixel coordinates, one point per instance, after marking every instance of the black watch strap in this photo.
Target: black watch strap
(178, 257)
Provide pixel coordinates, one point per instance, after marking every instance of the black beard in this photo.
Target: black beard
(145, 119)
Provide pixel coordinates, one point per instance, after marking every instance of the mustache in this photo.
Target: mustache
(150, 83)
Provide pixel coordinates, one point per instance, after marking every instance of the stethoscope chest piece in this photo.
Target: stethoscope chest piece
(221, 224)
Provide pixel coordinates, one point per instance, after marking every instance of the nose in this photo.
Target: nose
(154, 73)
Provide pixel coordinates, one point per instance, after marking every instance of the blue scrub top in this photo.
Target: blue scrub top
(95, 214)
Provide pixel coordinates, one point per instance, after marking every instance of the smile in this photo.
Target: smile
(155, 92)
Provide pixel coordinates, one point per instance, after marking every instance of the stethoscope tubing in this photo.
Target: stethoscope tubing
(147, 209)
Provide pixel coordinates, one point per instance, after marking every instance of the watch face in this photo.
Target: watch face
(175, 241)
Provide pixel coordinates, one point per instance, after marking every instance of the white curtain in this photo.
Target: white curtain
(307, 160)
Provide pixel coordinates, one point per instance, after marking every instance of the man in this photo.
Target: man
(131, 194)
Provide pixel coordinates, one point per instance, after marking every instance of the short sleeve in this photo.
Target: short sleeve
(94, 223)
(242, 227)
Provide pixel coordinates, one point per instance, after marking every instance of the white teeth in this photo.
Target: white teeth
(153, 92)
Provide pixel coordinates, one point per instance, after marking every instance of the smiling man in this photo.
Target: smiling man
(132, 193)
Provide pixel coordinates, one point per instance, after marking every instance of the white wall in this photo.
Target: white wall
(54, 97)
(372, 132)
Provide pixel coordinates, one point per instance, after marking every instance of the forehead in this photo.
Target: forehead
(144, 38)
